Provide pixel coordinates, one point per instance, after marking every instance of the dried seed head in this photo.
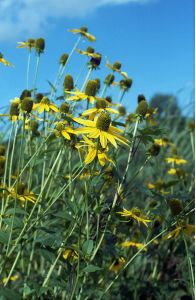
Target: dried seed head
(68, 83)
(2, 150)
(141, 98)
(101, 103)
(125, 84)
(25, 93)
(91, 88)
(109, 99)
(103, 121)
(63, 59)
(154, 150)
(95, 61)
(142, 108)
(27, 104)
(64, 108)
(39, 97)
(2, 161)
(20, 188)
(14, 109)
(109, 79)
(98, 83)
(122, 110)
(117, 65)
(175, 206)
(90, 49)
(34, 126)
(40, 45)
(84, 29)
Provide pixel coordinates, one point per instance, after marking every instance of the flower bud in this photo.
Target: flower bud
(90, 49)
(40, 45)
(68, 83)
(142, 108)
(95, 61)
(109, 79)
(122, 110)
(25, 93)
(39, 97)
(103, 121)
(154, 150)
(63, 59)
(27, 104)
(98, 83)
(141, 98)
(117, 65)
(91, 88)
(64, 108)
(14, 109)
(101, 103)
(175, 206)
(84, 29)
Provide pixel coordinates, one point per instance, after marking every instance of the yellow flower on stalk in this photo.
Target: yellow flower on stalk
(136, 214)
(188, 229)
(4, 61)
(101, 128)
(62, 129)
(127, 244)
(28, 44)
(101, 105)
(12, 278)
(162, 142)
(93, 152)
(45, 105)
(116, 67)
(158, 185)
(117, 264)
(22, 193)
(94, 55)
(70, 254)
(177, 160)
(77, 96)
(178, 172)
(83, 31)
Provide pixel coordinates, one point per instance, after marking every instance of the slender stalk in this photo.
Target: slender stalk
(28, 67)
(36, 73)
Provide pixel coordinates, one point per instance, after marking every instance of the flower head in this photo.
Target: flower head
(117, 264)
(4, 61)
(45, 105)
(101, 128)
(136, 214)
(83, 31)
(28, 44)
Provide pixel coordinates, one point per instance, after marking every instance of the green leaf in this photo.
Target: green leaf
(87, 247)
(4, 237)
(91, 269)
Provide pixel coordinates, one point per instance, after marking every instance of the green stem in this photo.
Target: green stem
(28, 67)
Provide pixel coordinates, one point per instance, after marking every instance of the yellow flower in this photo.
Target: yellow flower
(94, 55)
(136, 214)
(4, 61)
(177, 160)
(162, 142)
(188, 229)
(22, 193)
(133, 244)
(158, 185)
(45, 105)
(117, 264)
(179, 172)
(93, 152)
(101, 106)
(83, 31)
(116, 68)
(87, 174)
(70, 254)
(61, 129)
(101, 128)
(29, 44)
(77, 96)
(12, 278)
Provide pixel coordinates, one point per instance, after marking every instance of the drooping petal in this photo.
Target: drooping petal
(65, 134)
(90, 156)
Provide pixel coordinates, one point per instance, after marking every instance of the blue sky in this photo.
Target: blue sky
(154, 40)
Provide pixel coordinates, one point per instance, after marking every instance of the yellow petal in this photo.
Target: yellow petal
(90, 156)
